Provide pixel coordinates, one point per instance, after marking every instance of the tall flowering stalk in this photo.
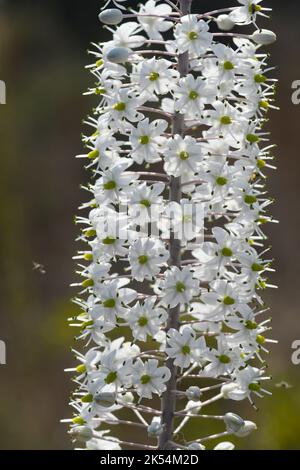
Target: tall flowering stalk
(176, 150)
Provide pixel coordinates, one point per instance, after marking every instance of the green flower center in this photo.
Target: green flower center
(145, 379)
(226, 252)
(221, 181)
(228, 65)
(88, 283)
(254, 387)
(228, 300)
(109, 303)
(184, 155)
(78, 420)
(226, 120)
(81, 369)
(193, 35)
(249, 199)
(263, 104)
(252, 138)
(87, 398)
(108, 241)
(93, 154)
(193, 95)
(259, 78)
(90, 233)
(110, 185)
(143, 259)
(260, 164)
(250, 325)
(256, 268)
(120, 106)
(185, 349)
(254, 8)
(260, 339)
(111, 377)
(224, 359)
(144, 139)
(143, 321)
(100, 91)
(145, 202)
(153, 76)
(180, 287)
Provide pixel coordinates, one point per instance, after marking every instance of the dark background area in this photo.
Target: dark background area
(42, 56)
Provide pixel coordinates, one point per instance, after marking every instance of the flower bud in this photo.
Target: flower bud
(225, 23)
(263, 37)
(193, 393)
(155, 428)
(196, 446)
(82, 433)
(233, 422)
(118, 55)
(226, 445)
(246, 429)
(105, 399)
(111, 16)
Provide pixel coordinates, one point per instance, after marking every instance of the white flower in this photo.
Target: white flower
(95, 274)
(246, 13)
(125, 36)
(192, 35)
(146, 256)
(192, 94)
(154, 77)
(114, 296)
(146, 140)
(179, 287)
(109, 186)
(247, 381)
(149, 378)
(145, 203)
(182, 155)
(122, 106)
(183, 346)
(146, 319)
(223, 360)
(184, 219)
(154, 25)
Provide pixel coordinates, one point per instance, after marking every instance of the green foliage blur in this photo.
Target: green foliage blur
(42, 57)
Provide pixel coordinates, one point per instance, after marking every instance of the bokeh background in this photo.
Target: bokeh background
(42, 56)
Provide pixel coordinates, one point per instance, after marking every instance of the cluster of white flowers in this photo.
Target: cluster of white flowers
(182, 103)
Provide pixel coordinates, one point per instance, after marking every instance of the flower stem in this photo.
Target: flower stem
(169, 397)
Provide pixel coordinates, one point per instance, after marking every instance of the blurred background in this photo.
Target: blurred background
(42, 56)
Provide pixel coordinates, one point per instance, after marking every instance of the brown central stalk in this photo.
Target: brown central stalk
(169, 397)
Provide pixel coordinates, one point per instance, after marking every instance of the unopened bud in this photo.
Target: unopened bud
(82, 433)
(246, 429)
(193, 393)
(111, 16)
(155, 428)
(226, 445)
(233, 422)
(225, 23)
(105, 399)
(263, 37)
(196, 446)
(118, 55)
